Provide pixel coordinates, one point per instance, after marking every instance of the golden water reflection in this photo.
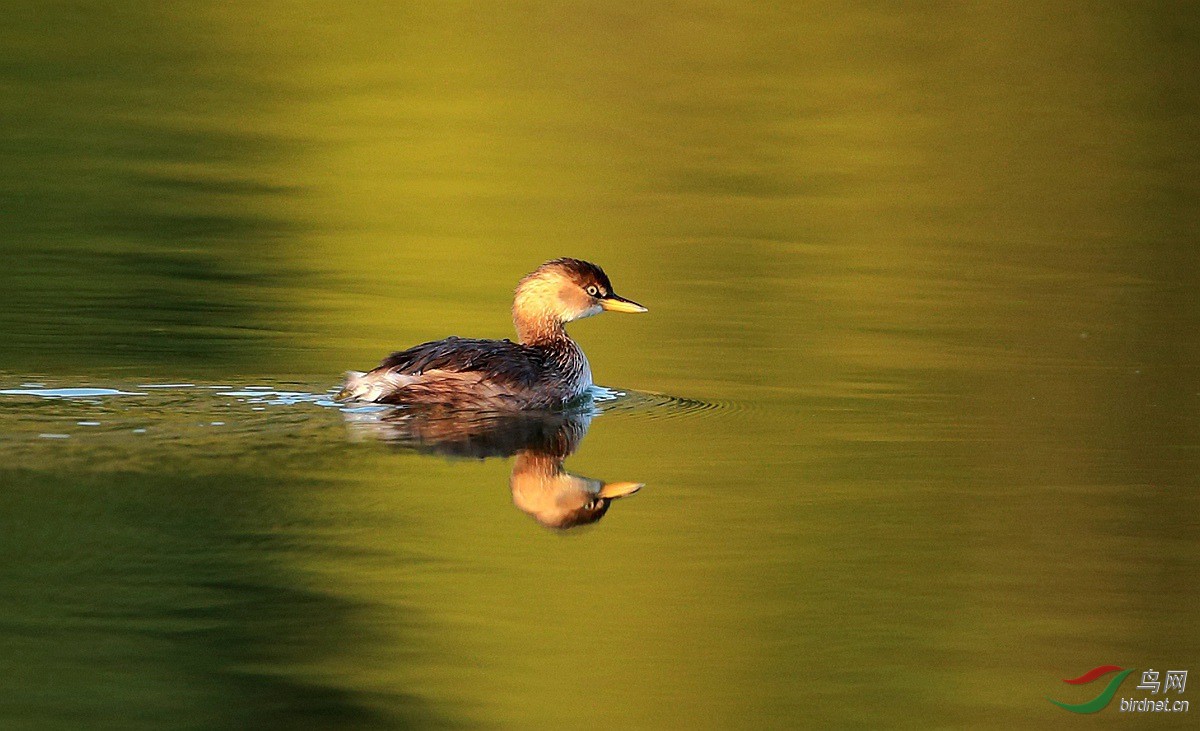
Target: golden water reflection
(539, 442)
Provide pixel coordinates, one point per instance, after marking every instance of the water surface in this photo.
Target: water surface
(916, 403)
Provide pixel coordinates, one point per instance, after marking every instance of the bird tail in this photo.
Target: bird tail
(351, 387)
(371, 386)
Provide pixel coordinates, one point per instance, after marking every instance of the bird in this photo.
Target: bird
(544, 369)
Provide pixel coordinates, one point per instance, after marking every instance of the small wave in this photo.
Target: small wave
(655, 405)
(60, 393)
(184, 397)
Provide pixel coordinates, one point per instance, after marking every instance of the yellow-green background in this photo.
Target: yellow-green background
(932, 267)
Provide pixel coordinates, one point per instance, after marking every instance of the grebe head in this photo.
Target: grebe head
(561, 291)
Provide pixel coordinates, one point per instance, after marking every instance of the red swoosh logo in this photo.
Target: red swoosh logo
(1092, 674)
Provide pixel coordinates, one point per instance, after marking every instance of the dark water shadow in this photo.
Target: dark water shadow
(173, 602)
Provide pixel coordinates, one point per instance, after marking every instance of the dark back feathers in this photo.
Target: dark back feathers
(502, 360)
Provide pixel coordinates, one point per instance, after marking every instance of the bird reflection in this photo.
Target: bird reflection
(540, 442)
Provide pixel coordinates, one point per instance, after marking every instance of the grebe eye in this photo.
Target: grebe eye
(592, 290)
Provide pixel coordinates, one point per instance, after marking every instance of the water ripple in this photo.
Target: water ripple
(59, 393)
(656, 405)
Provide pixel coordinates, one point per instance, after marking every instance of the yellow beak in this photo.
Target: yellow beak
(614, 490)
(613, 303)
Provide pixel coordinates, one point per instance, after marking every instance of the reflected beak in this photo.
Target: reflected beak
(614, 490)
(613, 303)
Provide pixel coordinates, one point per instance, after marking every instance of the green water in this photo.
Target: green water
(916, 405)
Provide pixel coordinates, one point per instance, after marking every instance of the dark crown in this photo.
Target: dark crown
(581, 272)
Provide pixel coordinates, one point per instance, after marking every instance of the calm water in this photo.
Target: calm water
(916, 406)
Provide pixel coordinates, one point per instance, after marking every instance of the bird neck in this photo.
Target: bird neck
(543, 330)
(535, 464)
(536, 311)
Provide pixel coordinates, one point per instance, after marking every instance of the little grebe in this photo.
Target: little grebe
(546, 369)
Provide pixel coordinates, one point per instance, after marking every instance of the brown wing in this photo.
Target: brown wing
(500, 361)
